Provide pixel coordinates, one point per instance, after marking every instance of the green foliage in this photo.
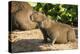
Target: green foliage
(60, 12)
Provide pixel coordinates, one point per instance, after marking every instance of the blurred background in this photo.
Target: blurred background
(64, 13)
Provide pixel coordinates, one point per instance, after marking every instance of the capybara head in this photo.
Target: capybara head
(38, 17)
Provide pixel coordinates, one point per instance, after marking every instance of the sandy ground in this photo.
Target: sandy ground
(29, 41)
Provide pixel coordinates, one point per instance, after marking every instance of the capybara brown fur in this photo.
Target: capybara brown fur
(59, 32)
(20, 16)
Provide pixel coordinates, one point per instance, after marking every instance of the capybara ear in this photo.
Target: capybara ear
(32, 18)
(48, 20)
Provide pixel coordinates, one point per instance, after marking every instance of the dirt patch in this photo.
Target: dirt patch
(28, 41)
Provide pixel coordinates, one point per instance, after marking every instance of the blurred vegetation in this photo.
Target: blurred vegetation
(60, 12)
